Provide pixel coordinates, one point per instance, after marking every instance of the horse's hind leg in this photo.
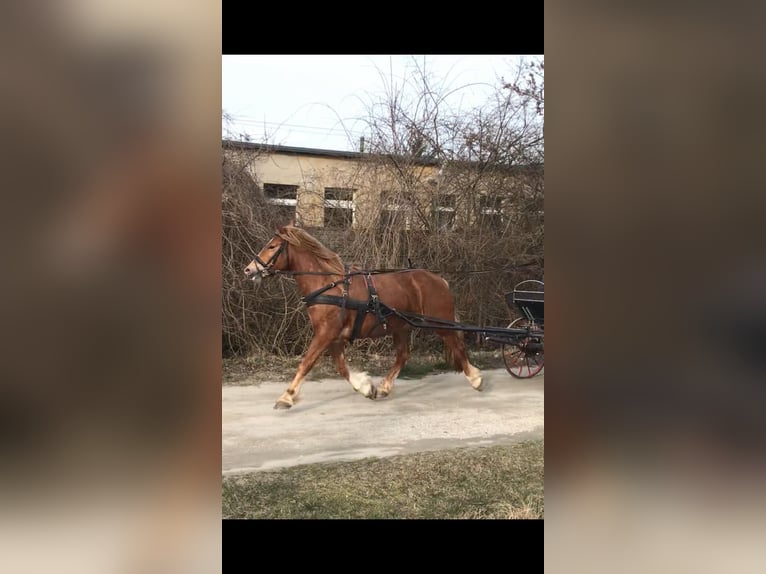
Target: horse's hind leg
(317, 346)
(460, 358)
(360, 381)
(402, 343)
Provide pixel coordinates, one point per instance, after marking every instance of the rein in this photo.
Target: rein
(349, 274)
(373, 305)
(383, 271)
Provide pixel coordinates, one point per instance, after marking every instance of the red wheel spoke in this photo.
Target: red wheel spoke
(516, 355)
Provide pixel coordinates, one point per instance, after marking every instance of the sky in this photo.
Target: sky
(317, 101)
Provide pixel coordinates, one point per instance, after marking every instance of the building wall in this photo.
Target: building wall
(313, 174)
(419, 191)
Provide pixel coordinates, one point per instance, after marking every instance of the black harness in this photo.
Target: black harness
(362, 308)
(372, 305)
(266, 271)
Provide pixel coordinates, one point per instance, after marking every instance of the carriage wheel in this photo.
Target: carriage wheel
(520, 362)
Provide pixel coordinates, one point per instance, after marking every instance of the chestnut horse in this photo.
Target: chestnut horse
(411, 291)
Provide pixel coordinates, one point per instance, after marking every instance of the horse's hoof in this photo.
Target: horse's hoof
(382, 394)
(373, 394)
(282, 405)
(477, 383)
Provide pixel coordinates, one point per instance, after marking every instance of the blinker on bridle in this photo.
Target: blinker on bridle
(266, 267)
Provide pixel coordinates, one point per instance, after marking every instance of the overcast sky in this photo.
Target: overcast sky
(316, 101)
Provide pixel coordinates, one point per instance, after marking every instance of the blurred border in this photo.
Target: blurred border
(655, 287)
(110, 377)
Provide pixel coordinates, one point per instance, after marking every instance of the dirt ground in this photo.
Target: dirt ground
(331, 422)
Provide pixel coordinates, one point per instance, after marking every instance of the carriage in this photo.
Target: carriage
(525, 350)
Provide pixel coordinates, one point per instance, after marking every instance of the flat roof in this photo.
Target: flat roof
(291, 150)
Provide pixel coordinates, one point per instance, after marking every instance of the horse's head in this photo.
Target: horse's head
(273, 257)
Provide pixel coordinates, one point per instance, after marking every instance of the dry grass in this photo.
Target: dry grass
(498, 482)
(268, 367)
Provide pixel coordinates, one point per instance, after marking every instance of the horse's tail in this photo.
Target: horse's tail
(452, 358)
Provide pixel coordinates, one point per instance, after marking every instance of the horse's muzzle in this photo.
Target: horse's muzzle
(256, 274)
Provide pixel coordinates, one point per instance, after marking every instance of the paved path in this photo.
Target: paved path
(331, 422)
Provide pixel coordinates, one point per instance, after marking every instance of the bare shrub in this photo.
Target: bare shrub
(273, 322)
(479, 221)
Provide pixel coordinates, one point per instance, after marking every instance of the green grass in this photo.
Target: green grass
(493, 482)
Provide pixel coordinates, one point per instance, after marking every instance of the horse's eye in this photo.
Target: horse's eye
(272, 246)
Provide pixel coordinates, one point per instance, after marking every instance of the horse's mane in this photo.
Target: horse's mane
(328, 260)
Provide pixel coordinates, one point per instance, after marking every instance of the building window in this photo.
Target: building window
(338, 207)
(444, 211)
(338, 194)
(391, 217)
(283, 213)
(491, 210)
(392, 211)
(279, 191)
(284, 198)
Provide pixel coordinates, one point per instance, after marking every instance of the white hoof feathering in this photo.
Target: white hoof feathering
(362, 383)
(475, 377)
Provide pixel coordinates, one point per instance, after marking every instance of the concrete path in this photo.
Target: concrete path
(331, 422)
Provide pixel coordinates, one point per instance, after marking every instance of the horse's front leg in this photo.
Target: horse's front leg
(360, 381)
(318, 344)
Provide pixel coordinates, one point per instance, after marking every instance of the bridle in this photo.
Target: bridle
(265, 270)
